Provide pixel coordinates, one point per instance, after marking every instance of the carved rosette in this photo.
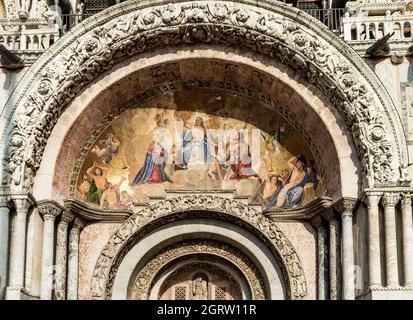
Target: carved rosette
(141, 28)
(283, 249)
(146, 276)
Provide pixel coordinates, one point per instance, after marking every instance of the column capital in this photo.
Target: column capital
(49, 209)
(66, 217)
(23, 201)
(372, 199)
(78, 224)
(390, 199)
(345, 206)
(5, 201)
(317, 222)
(329, 215)
(406, 199)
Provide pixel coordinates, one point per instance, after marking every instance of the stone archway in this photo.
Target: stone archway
(199, 206)
(214, 252)
(267, 27)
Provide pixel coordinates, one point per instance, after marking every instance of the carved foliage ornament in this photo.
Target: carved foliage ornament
(215, 22)
(285, 252)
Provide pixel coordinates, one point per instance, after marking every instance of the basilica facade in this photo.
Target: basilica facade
(206, 150)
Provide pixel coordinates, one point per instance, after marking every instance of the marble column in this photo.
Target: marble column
(4, 242)
(73, 264)
(345, 207)
(321, 257)
(333, 250)
(335, 286)
(18, 246)
(389, 202)
(49, 211)
(61, 256)
(407, 226)
(373, 223)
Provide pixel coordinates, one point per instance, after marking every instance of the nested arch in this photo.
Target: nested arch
(197, 206)
(267, 27)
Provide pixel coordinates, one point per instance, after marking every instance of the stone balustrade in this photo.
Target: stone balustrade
(28, 39)
(363, 28)
(366, 22)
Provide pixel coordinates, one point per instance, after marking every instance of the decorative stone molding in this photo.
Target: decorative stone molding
(184, 206)
(88, 213)
(146, 276)
(273, 29)
(307, 212)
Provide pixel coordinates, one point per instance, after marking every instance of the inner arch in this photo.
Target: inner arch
(305, 107)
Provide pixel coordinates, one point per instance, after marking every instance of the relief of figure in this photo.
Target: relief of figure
(99, 183)
(200, 287)
(194, 148)
(153, 169)
(293, 190)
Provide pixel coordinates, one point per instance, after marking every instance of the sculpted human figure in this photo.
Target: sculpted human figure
(199, 288)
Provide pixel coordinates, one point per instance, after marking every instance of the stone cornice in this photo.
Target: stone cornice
(92, 214)
(315, 207)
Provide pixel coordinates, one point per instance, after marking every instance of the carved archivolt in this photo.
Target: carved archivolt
(273, 29)
(280, 246)
(146, 276)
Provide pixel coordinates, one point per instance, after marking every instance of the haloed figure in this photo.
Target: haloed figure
(153, 169)
(195, 147)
